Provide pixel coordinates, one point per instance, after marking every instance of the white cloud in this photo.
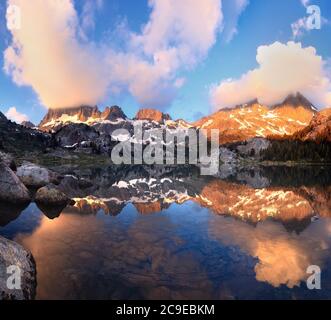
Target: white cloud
(184, 29)
(90, 8)
(14, 115)
(305, 3)
(47, 55)
(52, 54)
(283, 69)
(177, 36)
(299, 27)
(232, 11)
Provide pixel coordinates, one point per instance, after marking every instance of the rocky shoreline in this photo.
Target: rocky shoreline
(18, 187)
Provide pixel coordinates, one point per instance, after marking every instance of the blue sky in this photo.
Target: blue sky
(261, 22)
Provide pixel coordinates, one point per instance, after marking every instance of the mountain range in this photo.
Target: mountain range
(240, 123)
(87, 128)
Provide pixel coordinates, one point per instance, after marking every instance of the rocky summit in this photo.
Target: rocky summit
(28, 124)
(237, 124)
(57, 118)
(152, 115)
(253, 119)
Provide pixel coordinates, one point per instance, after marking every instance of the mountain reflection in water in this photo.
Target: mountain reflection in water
(145, 234)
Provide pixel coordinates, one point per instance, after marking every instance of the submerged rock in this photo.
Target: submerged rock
(12, 190)
(52, 197)
(35, 176)
(12, 254)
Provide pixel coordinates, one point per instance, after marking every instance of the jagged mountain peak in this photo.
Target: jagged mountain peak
(113, 113)
(153, 115)
(254, 119)
(83, 114)
(295, 101)
(28, 124)
(240, 106)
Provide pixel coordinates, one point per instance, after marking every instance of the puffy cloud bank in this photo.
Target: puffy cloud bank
(47, 54)
(283, 69)
(14, 115)
(52, 54)
(177, 36)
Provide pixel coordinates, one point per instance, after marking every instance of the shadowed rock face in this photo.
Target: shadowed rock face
(16, 138)
(12, 254)
(27, 124)
(113, 113)
(75, 133)
(12, 190)
(296, 100)
(2, 117)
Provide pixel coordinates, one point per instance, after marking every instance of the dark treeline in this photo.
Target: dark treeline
(295, 150)
(297, 176)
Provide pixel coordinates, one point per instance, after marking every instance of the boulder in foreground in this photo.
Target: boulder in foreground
(35, 176)
(12, 254)
(12, 190)
(51, 196)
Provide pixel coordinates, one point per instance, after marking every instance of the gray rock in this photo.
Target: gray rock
(35, 176)
(12, 254)
(28, 124)
(227, 156)
(12, 190)
(256, 144)
(51, 196)
(8, 160)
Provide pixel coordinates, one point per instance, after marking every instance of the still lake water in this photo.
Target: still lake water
(135, 237)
